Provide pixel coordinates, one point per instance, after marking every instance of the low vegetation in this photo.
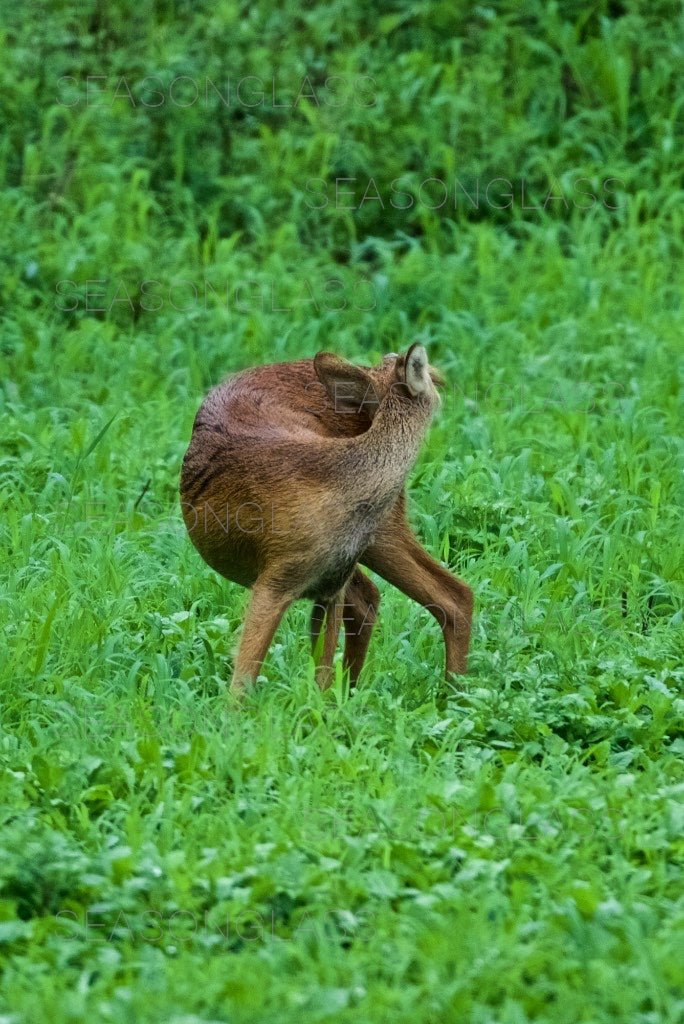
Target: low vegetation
(508, 850)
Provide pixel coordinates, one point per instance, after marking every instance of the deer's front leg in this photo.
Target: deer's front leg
(397, 556)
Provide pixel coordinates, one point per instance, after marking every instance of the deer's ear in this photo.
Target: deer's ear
(349, 386)
(416, 370)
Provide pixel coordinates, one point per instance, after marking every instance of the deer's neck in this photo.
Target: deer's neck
(385, 453)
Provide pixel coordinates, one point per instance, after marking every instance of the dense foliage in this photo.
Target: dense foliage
(187, 189)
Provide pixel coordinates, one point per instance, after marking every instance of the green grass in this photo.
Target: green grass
(505, 852)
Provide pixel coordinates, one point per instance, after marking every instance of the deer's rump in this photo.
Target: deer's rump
(252, 499)
(260, 483)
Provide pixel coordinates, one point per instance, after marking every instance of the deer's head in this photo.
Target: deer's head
(362, 389)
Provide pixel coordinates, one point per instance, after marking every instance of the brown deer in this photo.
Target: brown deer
(294, 475)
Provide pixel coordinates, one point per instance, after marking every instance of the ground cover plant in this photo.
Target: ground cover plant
(186, 190)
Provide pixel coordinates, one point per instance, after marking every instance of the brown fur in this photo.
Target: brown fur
(294, 475)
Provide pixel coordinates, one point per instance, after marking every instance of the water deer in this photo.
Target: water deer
(294, 477)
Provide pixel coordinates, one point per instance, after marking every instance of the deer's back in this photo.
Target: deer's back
(281, 398)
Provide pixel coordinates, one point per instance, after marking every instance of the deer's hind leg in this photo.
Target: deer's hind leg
(362, 599)
(326, 616)
(356, 606)
(266, 608)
